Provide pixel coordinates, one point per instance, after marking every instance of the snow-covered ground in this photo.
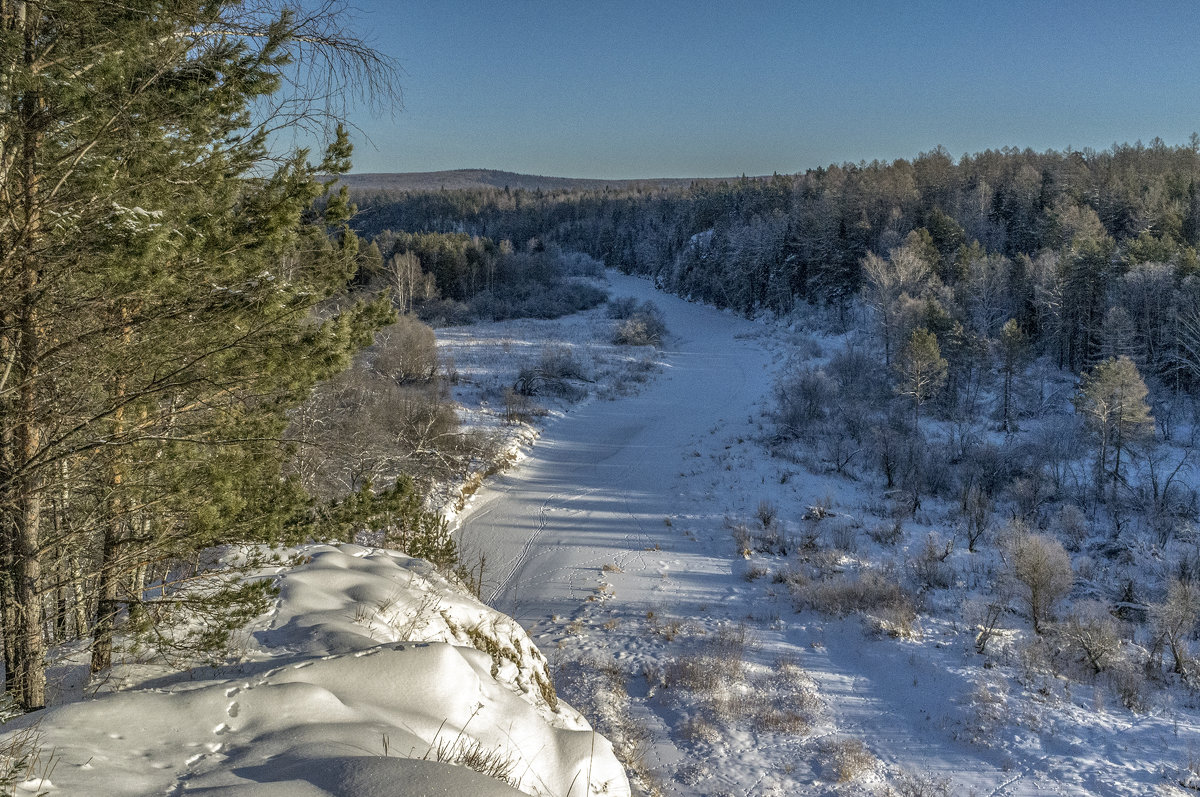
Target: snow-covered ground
(611, 543)
(371, 677)
(617, 539)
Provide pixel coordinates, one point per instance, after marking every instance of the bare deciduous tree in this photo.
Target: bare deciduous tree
(1040, 570)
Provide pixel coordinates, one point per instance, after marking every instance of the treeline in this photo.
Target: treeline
(1082, 249)
(453, 277)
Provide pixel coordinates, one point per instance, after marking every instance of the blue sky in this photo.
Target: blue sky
(660, 88)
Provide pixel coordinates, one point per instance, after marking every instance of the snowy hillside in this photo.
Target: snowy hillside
(372, 676)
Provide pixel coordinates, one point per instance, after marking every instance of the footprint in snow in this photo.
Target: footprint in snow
(233, 709)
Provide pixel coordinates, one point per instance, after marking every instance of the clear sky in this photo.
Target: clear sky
(666, 88)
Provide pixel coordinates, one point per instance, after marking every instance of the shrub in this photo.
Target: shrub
(406, 352)
(1175, 620)
(766, 513)
(856, 373)
(921, 784)
(361, 426)
(849, 759)
(560, 362)
(446, 313)
(769, 540)
(802, 400)
(556, 369)
(1072, 524)
(25, 763)
(843, 536)
(887, 533)
(645, 327)
(870, 593)
(519, 408)
(579, 264)
(929, 567)
(622, 307)
(987, 707)
(1091, 635)
(1129, 684)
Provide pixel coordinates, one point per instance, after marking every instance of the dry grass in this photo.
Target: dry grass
(849, 759)
(920, 784)
(596, 686)
(470, 753)
(24, 762)
(888, 604)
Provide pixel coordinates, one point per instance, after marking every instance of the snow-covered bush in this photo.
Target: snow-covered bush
(869, 593)
(802, 401)
(848, 759)
(622, 307)
(644, 327)
(930, 567)
(986, 706)
(556, 370)
(920, 784)
(1091, 635)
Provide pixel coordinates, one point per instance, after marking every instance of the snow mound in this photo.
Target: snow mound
(372, 676)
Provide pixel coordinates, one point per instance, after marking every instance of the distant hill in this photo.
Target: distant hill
(491, 178)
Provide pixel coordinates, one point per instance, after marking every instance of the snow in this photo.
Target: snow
(365, 670)
(609, 541)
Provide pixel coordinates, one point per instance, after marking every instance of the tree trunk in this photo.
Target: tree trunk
(29, 678)
(29, 646)
(109, 578)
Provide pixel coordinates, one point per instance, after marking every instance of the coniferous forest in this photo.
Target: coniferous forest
(162, 274)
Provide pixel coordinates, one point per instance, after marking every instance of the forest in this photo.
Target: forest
(1005, 348)
(1070, 245)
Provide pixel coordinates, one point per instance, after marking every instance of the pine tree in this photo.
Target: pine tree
(161, 268)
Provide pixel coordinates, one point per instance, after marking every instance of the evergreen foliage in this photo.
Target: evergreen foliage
(161, 268)
(922, 369)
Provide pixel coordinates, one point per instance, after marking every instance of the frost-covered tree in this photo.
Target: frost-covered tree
(1040, 570)
(904, 271)
(1112, 400)
(1011, 349)
(1175, 620)
(921, 369)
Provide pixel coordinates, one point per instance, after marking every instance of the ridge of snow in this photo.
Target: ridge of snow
(368, 666)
